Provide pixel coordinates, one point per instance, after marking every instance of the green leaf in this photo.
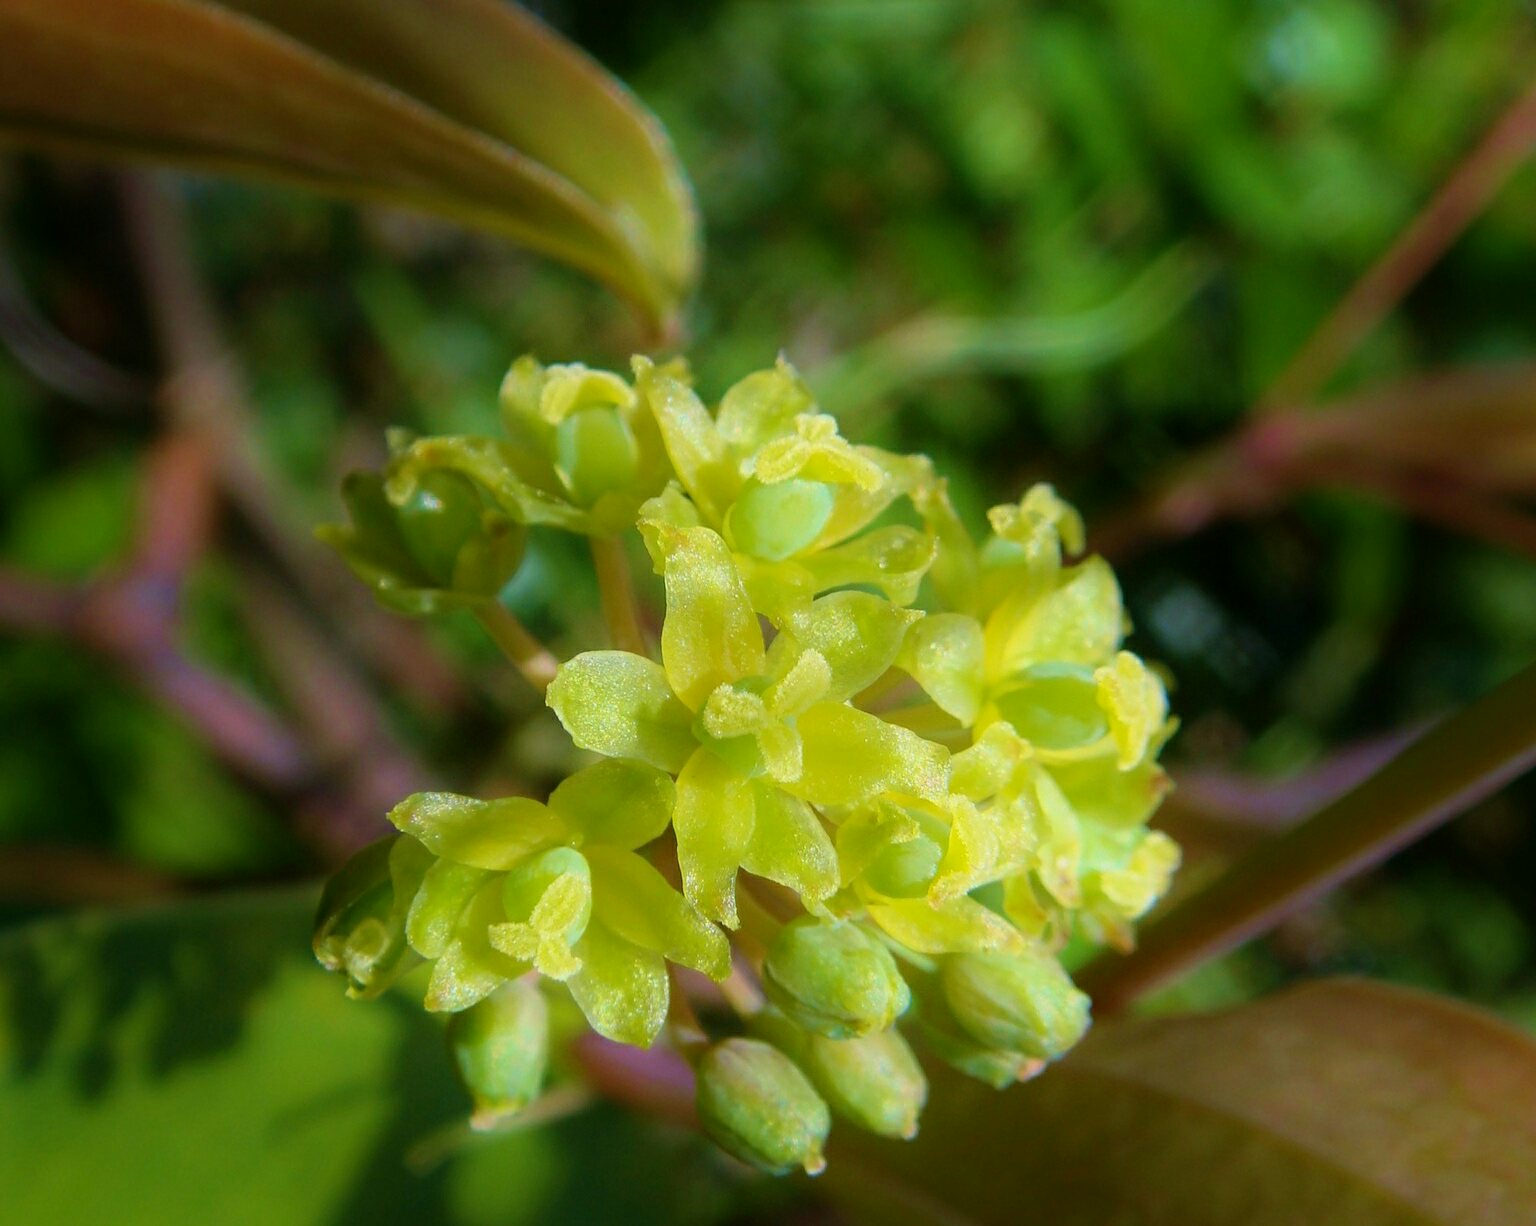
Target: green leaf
(1336, 1102)
(469, 108)
(191, 1063)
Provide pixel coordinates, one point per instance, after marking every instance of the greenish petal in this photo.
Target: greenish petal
(1103, 795)
(621, 988)
(1079, 621)
(851, 756)
(470, 969)
(713, 823)
(893, 560)
(445, 891)
(698, 453)
(857, 633)
(492, 834)
(616, 803)
(945, 654)
(956, 925)
(865, 835)
(762, 406)
(1133, 700)
(711, 635)
(621, 705)
(637, 903)
(790, 845)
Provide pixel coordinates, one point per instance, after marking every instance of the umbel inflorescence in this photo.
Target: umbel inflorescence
(874, 780)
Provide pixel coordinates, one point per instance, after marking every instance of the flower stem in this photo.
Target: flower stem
(615, 585)
(534, 660)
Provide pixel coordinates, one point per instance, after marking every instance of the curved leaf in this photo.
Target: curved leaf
(1341, 1101)
(468, 108)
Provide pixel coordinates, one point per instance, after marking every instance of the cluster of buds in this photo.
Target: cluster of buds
(874, 781)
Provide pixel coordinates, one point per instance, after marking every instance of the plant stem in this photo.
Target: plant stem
(1418, 248)
(1462, 760)
(616, 587)
(534, 660)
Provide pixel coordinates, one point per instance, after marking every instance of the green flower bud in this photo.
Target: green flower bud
(834, 979)
(1017, 1002)
(774, 522)
(874, 1081)
(442, 513)
(500, 1048)
(440, 548)
(992, 1066)
(595, 453)
(756, 1104)
(360, 925)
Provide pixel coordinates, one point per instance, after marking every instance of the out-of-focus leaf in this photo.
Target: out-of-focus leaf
(1341, 1101)
(469, 108)
(191, 1063)
(932, 345)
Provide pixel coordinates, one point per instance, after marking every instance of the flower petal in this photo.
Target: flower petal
(893, 559)
(616, 803)
(697, 451)
(858, 634)
(1079, 621)
(435, 910)
(762, 406)
(851, 755)
(789, 845)
(492, 834)
(711, 635)
(945, 655)
(713, 823)
(957, 925)
(1132, 698)
(637, 903)
(620, 705)
(621, 988)
(469, 969)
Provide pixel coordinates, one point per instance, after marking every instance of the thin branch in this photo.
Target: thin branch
(1235, 475)
(1463, 196)
(43, 875)
(1461, 761)
(531, 658)
(616, 586)
(35, 606)
(208, 397)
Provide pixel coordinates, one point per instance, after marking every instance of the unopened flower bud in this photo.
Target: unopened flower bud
(595, 453)
(1015, 1002)
(441, 514)
(833, 978)
(756, 1104)
(500, 1048)
(360, 924)
(874, 1081)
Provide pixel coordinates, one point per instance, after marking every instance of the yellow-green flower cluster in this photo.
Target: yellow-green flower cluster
(896, 769)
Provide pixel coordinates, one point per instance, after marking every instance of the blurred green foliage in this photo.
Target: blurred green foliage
(1040, 241)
